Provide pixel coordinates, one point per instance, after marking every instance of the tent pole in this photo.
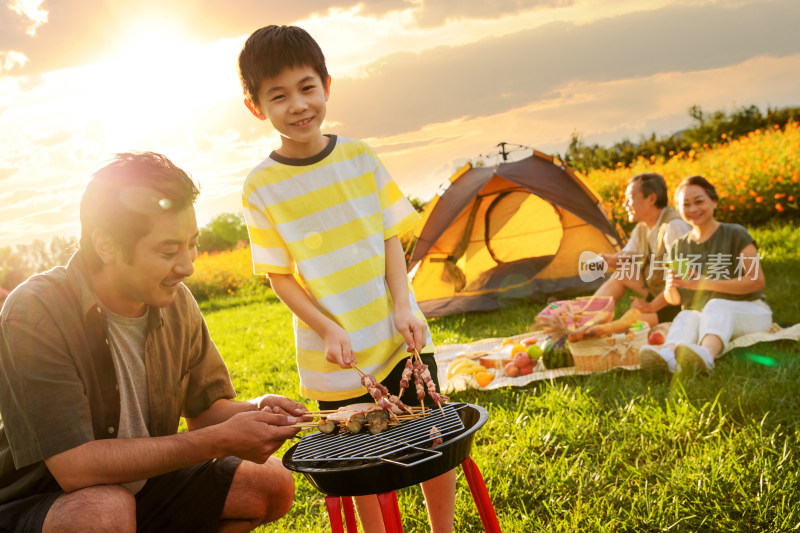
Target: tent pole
(503, 152)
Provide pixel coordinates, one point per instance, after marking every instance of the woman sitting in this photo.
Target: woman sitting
(716, 278)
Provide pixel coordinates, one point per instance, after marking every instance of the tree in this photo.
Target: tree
(19, 263)
(223, 233)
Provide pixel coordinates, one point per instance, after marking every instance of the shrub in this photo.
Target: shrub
(223, 273)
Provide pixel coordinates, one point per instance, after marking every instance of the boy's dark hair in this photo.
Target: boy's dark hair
(701, 182)
(271, 49)
(652, 183)
(123, 195)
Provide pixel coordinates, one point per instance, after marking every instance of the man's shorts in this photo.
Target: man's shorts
(392, 382)
(190, 499)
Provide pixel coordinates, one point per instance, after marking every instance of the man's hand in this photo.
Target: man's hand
(612, 260)
(337, 346)
(274, 403)
(256, 435)
(413, 329)
(642, 305)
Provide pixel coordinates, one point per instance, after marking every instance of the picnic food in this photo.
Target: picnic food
(327, 425)
(422, 374)
(436, 436)
(387, 402)
(655, 338)
(522, 360)
(353, 418)
(534, 351)
(511, 370)
(484, 378)
(556, 353)
(464, 366)
(408, 371)
(518, 348)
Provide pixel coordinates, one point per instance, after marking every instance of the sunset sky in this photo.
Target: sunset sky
(428, 83)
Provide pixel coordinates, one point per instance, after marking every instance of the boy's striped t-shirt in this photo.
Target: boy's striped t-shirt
(325, 220)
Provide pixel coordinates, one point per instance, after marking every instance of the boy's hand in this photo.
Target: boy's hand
(337, 347)
(413, 329)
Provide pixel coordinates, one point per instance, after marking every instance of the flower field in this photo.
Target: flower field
(756, 176)
(223, 273)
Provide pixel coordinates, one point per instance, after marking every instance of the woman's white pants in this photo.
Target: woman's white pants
(727, 319)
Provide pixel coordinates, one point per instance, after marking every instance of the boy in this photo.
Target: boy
(324, 218)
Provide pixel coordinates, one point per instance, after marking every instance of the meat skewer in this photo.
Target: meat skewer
(421, 370)
(406, 376)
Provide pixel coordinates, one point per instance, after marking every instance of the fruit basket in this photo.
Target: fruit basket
(611, 351)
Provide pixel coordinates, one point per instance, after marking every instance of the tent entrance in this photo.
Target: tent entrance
(514, 235)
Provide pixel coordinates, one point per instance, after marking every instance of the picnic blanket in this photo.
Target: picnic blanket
(446, 353)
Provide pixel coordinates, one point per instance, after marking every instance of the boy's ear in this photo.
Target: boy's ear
(327, 88)
(254, 109)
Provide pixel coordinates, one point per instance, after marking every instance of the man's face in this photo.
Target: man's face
(159, 262)
(294, 101)
(636, 204)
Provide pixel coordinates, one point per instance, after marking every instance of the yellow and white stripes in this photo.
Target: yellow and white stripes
(326, 222)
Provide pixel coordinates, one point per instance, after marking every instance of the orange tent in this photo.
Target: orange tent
(515, 230)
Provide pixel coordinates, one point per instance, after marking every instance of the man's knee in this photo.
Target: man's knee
(262, 493)
(282, 494)
(100, 508)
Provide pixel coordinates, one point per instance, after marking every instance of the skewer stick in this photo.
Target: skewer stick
(303, 425)
(354, 367)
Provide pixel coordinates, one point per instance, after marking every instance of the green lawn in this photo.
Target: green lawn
(611, 452)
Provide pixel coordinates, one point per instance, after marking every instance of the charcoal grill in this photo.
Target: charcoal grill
(344, 465)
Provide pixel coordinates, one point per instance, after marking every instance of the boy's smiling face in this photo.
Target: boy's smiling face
(294, 101)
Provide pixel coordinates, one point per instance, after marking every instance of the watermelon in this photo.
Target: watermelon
(556, 353)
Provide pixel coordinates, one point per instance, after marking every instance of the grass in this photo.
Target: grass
(610, 452)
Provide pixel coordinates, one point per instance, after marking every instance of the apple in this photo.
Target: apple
(535, 352)
(512, 370)
(523, 360)
(655, 338)
(526, 370)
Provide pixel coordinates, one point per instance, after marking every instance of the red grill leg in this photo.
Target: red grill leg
(334, 513)
(349, 515)
(481, 496)
(390, 510)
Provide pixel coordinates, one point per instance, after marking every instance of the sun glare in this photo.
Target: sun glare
(155, 81)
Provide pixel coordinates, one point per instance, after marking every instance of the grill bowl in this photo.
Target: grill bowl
(359, 478)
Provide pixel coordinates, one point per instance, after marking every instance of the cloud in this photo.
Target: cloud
(10, 59)
(603, 112)
(404, 91)
(32, 9)
(81, 32)
(433, 13)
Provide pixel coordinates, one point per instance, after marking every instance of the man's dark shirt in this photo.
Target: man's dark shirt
(58, 386)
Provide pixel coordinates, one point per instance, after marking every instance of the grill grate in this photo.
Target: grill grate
(406, 437)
